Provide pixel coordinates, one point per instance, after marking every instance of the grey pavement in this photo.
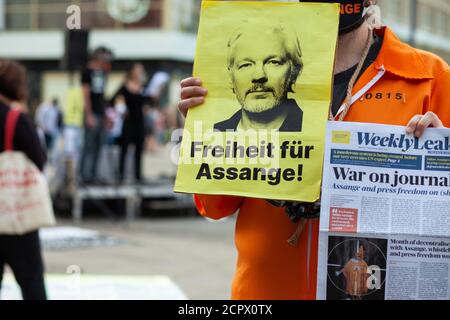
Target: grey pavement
(198, 255)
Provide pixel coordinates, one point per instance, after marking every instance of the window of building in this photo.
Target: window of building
(17, 14)
(440, 23)
(425, 17)
(51, 14)
(395, 10)
(185, 14)
(447, 22)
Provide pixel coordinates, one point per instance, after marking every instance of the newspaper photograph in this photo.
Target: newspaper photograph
(385, 215)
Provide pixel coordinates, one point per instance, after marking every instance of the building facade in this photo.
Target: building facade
(159, 33)
(423, 23)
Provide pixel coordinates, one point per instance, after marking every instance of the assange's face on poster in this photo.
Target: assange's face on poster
(260, 71)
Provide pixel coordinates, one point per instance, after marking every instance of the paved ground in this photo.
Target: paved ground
(198, 255)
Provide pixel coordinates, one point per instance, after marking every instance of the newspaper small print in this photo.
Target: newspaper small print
(385, 215)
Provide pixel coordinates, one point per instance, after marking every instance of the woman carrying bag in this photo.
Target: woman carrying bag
(25, 204)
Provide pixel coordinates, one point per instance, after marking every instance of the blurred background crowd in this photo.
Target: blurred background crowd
(148, 43)
(103, 98)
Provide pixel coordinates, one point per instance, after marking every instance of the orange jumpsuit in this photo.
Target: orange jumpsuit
(402, 82)
(355, 272)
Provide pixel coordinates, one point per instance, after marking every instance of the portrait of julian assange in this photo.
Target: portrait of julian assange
(264, 63)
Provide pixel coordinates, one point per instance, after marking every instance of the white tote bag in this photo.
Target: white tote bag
(25, 203)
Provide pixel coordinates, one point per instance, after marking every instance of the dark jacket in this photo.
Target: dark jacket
(292, 123)
(25, 138)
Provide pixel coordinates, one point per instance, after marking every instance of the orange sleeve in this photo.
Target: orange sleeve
(217, 207)
(440, 103)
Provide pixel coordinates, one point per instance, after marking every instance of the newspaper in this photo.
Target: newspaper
(385, 216)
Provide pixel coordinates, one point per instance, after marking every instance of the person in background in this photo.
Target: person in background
(93, 80)
(22, 253)
(133, 129)
(49, 120)
(114, 124)
(156, 88)
(115, 115)
(158, 115)
(60, 122)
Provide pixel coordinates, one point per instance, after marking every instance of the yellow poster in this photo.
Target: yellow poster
(268, 68)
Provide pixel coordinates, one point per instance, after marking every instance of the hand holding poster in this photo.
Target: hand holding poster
(268, 69)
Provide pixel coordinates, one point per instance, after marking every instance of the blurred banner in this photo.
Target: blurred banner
(73, 113)
(268, 69)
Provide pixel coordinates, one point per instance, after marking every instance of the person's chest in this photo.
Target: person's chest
(98, 82)
(391, 100)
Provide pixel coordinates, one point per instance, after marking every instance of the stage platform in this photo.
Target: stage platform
(160, 191)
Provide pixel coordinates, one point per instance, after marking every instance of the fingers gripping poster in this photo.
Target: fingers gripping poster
(268, 69)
